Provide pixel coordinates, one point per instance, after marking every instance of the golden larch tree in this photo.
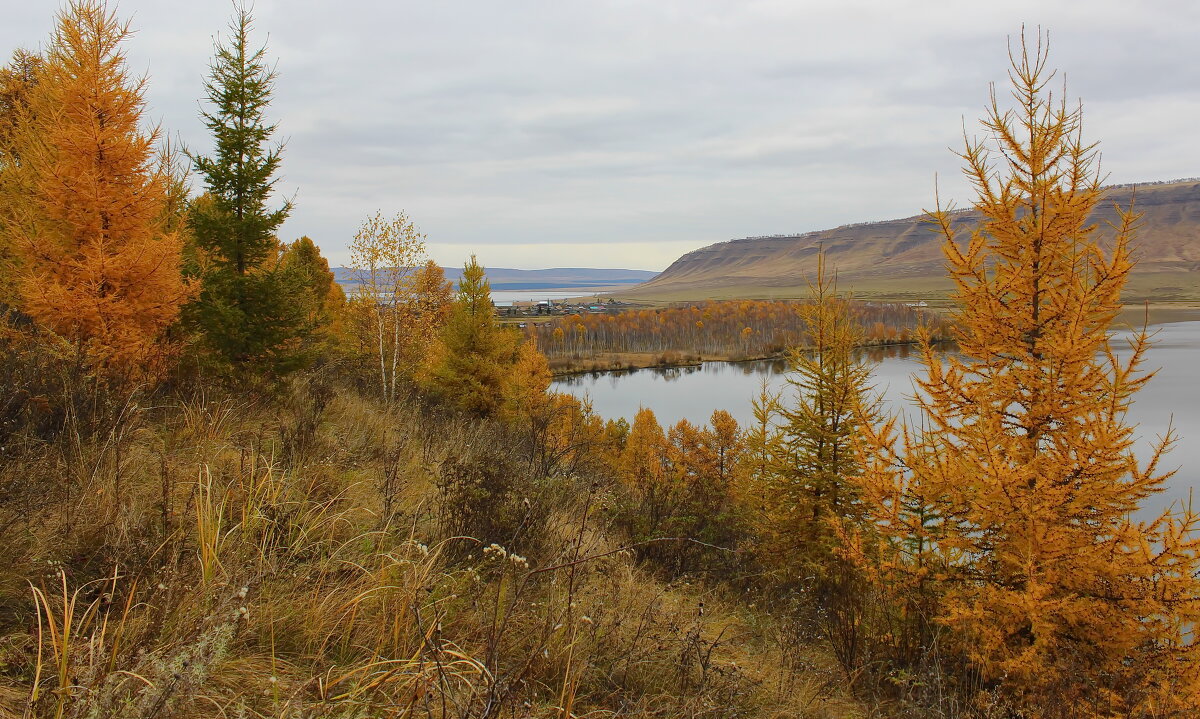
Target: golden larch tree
(526, 389)
(812, 484)
(321, 298)
(476, 355)
(728, 443)
(101, 271)
(17, 81)
(643, 468)
(431, 302)
(1013, 499)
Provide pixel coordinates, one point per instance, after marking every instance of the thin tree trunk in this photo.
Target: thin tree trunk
(395, 344)
(379, 332)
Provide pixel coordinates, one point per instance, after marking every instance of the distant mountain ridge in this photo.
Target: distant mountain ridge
(903, 257)
(503, 278)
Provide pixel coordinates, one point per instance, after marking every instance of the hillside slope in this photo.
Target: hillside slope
(903, 259)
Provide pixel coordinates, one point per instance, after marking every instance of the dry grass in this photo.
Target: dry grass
(1147, 285)
(228, 558)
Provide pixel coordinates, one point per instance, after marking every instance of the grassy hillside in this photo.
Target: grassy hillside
(312, 553)
(901, 259)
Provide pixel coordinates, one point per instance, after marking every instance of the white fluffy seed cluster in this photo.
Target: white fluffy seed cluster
(495, 550)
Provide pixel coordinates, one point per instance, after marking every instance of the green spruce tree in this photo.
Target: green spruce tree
(249, 310)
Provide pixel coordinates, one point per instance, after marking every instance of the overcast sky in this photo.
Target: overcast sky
(607, 133)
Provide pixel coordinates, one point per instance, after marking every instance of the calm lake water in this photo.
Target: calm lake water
(504, 298)
(1172, 398)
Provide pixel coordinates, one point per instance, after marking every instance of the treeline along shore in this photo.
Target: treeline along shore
(730, 330)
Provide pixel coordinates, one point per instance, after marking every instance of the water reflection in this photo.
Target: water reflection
(878, 354)
(693, 392)
(748, 368)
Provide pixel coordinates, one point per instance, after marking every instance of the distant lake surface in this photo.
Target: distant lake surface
(1172, 397)
(504, 298)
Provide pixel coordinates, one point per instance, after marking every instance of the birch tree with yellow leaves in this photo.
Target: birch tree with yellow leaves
(1014, 500)
(386, 254)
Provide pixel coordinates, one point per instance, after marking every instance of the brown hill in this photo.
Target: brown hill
(902, 259)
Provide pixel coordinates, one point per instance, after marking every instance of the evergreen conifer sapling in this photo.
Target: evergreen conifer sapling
(250, 312)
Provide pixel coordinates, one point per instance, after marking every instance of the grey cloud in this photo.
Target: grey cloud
(547, 129)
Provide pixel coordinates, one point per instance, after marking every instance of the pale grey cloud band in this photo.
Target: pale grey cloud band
(624, 133)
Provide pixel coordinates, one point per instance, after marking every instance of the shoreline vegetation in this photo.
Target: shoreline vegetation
(630, 361)
(721, 330)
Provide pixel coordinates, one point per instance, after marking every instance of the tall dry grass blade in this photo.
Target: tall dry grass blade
(116, 644)
(210, 519)
(60, 639)
(35, 690)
